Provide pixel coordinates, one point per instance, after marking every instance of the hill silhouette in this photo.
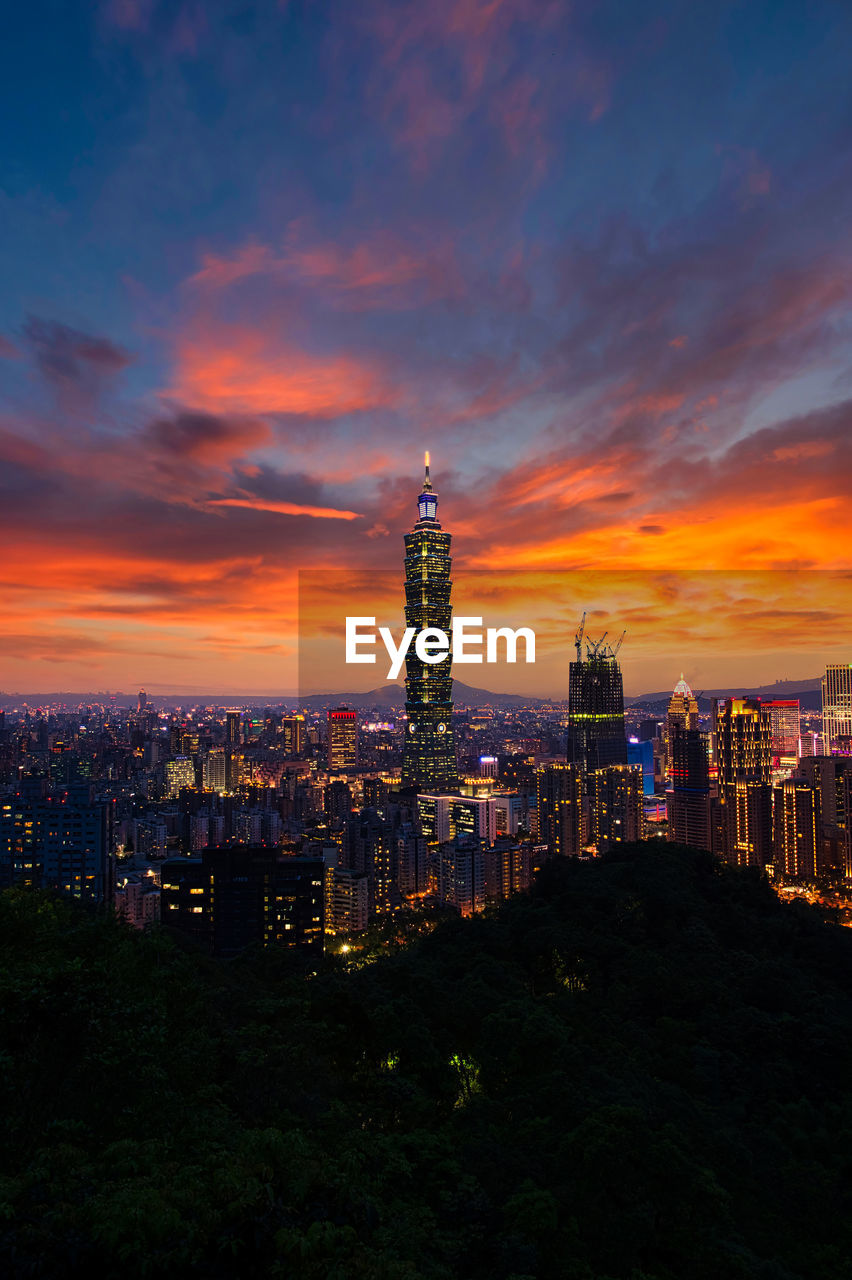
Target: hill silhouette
(637, 1071)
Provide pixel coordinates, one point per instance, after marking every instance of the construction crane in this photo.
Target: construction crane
(578, 639)
(620, 643)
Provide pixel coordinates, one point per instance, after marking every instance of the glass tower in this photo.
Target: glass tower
(429, 754)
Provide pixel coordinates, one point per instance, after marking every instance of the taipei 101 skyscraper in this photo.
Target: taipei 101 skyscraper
(429, 754)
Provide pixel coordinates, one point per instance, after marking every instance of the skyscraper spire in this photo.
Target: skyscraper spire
(427, 503)
(428, 756)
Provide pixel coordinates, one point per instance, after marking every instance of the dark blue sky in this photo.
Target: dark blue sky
(257, 257)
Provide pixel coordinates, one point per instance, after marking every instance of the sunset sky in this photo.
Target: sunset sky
(597, 257)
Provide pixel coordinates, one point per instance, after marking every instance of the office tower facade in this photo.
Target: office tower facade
(444, 818)
(260, 896)
(688, 797)
(215, 770)
(342, 739)
(292, 734)
(58, 841)
(682, 713)
(683, 707)
(461, 875)
(836, 705)
(559, 796)
(618, 814)
(743, 735)
(596, 736)
(232, 727)
(798, 830)
(429, 755)
(784, 716)
(411, 860)
(348, 909)
(180, 773)
(142, 702)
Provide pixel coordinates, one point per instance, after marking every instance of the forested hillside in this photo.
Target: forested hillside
(640, 1070)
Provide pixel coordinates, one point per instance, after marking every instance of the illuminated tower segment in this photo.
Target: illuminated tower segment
(429, 754)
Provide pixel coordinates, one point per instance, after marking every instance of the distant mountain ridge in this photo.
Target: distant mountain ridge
(809, 693)
(388, 695)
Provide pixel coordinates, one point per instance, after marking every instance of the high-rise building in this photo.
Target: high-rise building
(444, 818)
(429, 756)
(461, 875)
(743, 735)
(596, 736)
(342, 739)
(798, 830)
(836, 704)
(618, 813)
(232, 727)
(57, 841)
(688, 797)
(348, 909)
(411, 860)
(784, 728)
(215, 770)
(559, 795)
(260, 896)
(682, 713)
(293, 736)
(180, 773)
(683, 707)
(142, 703)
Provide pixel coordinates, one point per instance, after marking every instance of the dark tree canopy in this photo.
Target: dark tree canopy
(638, 1071)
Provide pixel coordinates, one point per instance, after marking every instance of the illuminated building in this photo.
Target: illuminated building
(785, 732)
(199, 832)
(488, 766)
(508, 869)
(228, 899)
(342, 739)
(847, 808)
(337, 801)
(374, 851)
(461, 875)
(349, 907)
(428, 757)
(58, 841)
(232, 727)
(559, 797)
(142, 703)
(798, 830)
(836, 705)
(743, 733)
(688, 798)
(641, 755)
(180, 773)
(443, 818)
(215, 770)
(596, 736)
(682, 712)
(293, 736)
(618, 814)
(411, 859)
(509, 811)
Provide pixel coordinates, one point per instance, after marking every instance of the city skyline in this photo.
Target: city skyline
(615, 308)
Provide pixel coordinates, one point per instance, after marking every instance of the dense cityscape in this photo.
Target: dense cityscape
(310, 822)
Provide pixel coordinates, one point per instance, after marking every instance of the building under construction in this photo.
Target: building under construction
(596, 737)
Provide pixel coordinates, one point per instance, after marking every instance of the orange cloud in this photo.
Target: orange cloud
(239, 370)
(286, 508)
